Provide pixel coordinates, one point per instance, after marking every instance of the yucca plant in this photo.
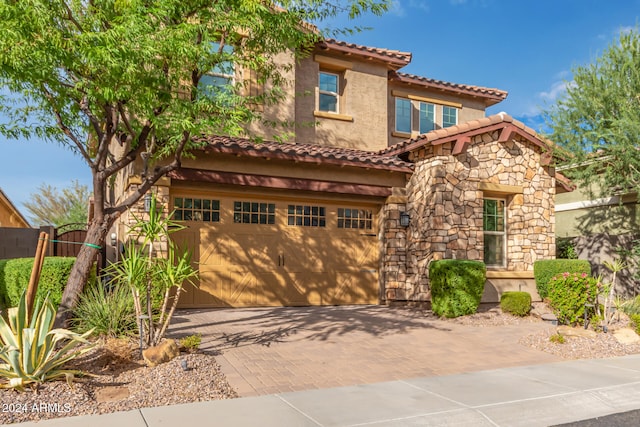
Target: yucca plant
(109, 312)
(32, 351)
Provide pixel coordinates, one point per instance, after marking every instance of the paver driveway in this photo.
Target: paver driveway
(274, 350)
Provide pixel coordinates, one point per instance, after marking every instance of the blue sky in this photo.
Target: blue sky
(526, 47)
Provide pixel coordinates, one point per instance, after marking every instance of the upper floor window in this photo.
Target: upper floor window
(495, 233)
(220, 78)
(427, 117)
(329, 89)
(403, 115)
(449, 116)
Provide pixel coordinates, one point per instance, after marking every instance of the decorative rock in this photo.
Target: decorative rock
(569, 331)
(162, 353)
(550, 318)
(111, 394)
(626, 336)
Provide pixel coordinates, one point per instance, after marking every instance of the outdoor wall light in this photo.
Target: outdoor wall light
(404, 219)
(114, 239)
(147, 202)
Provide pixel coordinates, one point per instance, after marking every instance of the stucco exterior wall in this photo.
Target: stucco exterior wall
(362, 119)
(445, 201)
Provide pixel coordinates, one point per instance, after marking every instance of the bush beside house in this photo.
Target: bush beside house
(516, 303)
(545, 270)
(15, 275)
(456, 286)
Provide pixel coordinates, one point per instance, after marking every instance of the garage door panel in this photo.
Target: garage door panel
(283, 263)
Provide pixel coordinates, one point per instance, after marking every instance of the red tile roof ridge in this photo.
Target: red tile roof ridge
(399, 56)
(299, 151)
(493, 92)
(471, 125)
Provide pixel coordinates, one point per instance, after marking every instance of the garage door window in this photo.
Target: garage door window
(306, 216)
(188, 209)
(355, 218)
(254, 213)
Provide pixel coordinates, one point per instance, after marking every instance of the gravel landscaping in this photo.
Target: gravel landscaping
(119, 381)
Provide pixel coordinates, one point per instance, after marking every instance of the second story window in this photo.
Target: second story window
(403, 115)
(220, 78)
(329, 89)
(449, 116)
(427, 117)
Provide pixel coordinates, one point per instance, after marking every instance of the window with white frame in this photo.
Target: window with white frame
(329, 86)
(403, 115)
(495, 233)
(219, 79)
(427, 117)
(449, 116)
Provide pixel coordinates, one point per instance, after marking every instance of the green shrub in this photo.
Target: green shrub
(456, 286)
(107, 312)
(568, 294)
(191, 343)
(15, 275)
(557, 339)
(631, 306)
(635, 319)
(544, 270)
(516, 303)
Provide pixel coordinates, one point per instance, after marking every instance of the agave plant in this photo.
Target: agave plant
(31, 351)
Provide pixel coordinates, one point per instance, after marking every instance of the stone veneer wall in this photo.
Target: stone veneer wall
(393, 260)
(445, 201)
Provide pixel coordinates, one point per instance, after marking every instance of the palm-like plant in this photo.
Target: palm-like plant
(32, 351)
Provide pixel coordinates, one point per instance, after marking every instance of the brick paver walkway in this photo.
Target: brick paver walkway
(273, 350)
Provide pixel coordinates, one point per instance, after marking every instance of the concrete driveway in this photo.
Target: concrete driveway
(276, 350)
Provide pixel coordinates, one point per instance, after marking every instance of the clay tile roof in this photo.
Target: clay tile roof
(306, 153)
(478, 126)
(395, 58)
(492, 95)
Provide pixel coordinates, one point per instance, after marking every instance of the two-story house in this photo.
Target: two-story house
(386, 172)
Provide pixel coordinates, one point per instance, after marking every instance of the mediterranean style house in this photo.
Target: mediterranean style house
(397, 170)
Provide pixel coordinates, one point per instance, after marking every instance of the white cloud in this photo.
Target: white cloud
(625, 30)
(419, 4)
(397, 8)
(557, 89)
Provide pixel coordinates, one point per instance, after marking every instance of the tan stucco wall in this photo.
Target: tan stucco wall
(9, 217)
(363, 91)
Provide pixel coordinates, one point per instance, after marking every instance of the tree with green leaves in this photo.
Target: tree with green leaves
(51, 206)
(121, 81)
(596, 123)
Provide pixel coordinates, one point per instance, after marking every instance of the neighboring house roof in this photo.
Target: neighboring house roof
(12, 210)
(305, 153)
(461, 135)
(395, 58)
(492, 95)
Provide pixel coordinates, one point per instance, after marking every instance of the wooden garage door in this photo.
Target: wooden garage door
(261, 252)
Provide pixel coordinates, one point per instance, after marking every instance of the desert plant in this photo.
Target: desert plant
(516, 303)
(147, 274)
(631, 306)
(108, 312)
(545, 270)
(456, 286)
(635, 320)
(557, 339)
(568, 294)
(32, 351)
(191, 343)
(615, 267)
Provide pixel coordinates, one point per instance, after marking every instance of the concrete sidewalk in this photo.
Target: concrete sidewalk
(538, 395)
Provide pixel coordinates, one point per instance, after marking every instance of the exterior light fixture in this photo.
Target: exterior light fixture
(147, 202)
(114, 239)
(404, 219)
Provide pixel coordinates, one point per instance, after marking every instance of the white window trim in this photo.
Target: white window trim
(326, 92)
(433, 118)
(457, 115)
(395, 115)
(499, 233)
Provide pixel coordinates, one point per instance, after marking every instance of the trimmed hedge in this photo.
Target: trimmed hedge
(544, 270)
(456, 286)
(15, 275)
(516, 303)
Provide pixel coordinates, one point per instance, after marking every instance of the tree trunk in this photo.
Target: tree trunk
(81, 270)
